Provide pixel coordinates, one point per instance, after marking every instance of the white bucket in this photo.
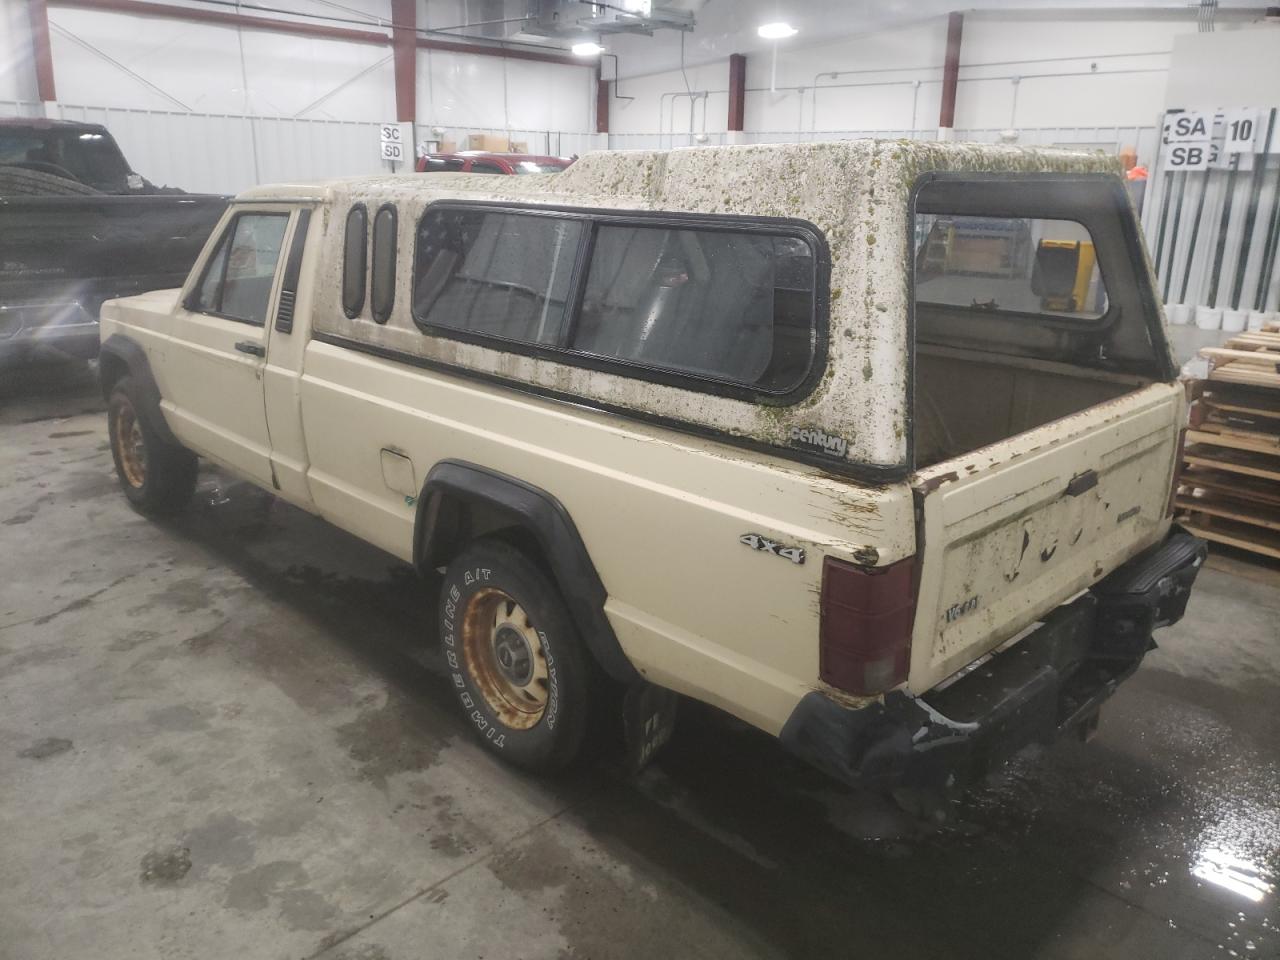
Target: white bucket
(1257, 318)
(1208, 318)
(1233, 321)
(1179, 314)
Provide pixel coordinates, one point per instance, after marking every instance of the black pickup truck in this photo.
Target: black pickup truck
(77, 227)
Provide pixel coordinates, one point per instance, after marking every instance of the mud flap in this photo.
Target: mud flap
(648, 720)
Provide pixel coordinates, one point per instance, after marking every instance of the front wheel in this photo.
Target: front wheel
(516, 663)
(157, 476)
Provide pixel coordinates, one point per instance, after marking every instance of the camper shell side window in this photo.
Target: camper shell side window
(733, 306)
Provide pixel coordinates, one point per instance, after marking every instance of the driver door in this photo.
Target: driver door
(212, 380)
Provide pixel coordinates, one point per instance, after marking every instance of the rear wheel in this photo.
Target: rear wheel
(518, 667)
(157, 476)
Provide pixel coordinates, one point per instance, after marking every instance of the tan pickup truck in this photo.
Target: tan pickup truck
(868, 443)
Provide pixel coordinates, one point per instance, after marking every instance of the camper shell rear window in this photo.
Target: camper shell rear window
(1042, 265)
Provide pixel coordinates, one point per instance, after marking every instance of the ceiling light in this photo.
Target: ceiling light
(587, 48)
(777, 31)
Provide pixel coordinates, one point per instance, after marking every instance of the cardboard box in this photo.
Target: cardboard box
(495, 143)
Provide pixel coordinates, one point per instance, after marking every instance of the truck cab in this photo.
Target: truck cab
(869, 444)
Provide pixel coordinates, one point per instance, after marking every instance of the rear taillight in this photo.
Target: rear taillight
(1178, 464)
(864, 642)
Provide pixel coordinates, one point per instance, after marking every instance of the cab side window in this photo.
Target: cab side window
(238, 277)
(383, 291)
(355, 247)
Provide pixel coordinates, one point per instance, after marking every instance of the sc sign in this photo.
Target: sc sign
(395, 141)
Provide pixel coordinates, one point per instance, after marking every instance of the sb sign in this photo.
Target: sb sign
(395, 141)
(1192, 156)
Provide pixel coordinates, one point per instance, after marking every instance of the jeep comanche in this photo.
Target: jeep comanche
(868, 443)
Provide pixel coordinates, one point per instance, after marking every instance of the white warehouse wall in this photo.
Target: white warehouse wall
(110, 59)
(1073, 72)
(17, 79)
(115, 60)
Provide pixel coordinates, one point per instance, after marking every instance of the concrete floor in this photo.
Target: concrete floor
(227, 736)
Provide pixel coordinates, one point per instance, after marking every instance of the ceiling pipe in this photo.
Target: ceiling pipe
(142, 8)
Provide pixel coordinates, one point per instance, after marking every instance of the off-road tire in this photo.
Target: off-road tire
(157, 476)
(496, 603)
(18, 181)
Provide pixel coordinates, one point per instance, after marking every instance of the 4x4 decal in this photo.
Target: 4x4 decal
(757, 542)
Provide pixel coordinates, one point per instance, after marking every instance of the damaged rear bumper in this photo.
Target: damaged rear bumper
(1050, 683)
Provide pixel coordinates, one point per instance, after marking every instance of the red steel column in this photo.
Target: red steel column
(951, 72)
(602, 103)
(42, 53)
(737, 90)
(404, 46)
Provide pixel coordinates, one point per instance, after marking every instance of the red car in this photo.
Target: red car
(478, 161)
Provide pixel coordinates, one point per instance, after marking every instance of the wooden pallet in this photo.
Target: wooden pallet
(1241, 535)
(1252, 359)
(1229, 490)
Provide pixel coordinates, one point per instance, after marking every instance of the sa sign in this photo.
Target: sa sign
(1191, 125)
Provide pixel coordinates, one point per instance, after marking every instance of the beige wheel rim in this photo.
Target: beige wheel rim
(505, 658)
(130, 446)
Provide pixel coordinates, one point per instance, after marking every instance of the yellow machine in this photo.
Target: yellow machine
(1063, 272)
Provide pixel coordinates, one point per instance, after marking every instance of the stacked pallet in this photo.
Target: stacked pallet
(1229, 491)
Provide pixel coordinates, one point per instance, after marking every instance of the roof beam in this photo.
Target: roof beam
(41, 52)
(169, 11)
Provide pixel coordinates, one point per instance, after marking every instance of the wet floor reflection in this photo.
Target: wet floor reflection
(1159, 839)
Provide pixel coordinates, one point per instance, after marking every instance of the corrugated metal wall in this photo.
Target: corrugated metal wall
(1214, 234)
(226, 153)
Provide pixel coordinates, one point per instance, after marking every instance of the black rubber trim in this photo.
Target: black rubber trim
(130, 353)
(538, 512)
(292, 269)
(873, 474)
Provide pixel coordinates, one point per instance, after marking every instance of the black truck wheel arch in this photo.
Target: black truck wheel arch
(437, 536)
(121, 355)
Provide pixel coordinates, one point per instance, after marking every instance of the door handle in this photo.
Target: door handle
(248, 346)
(1082, 482)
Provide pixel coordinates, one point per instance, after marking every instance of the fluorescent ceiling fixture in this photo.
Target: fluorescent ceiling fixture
(587, 48)
(777, 31)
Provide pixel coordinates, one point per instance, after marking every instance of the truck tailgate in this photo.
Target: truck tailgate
(1013, 530)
